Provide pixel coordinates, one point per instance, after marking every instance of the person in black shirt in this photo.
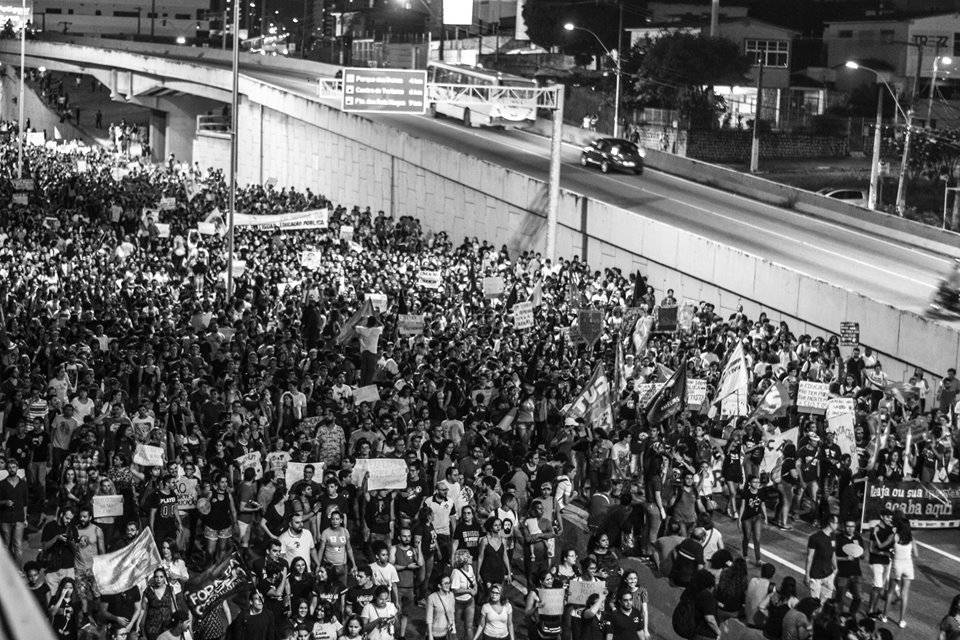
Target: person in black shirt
(270, 574)
(849, 552)
(20, 446)
(881, 548)
(55, 542)
(701, 591)
(361, 594)
(122, 609)
(164, 520)
(821, 565)
(752, 516)
(625, 622)
(688, 557)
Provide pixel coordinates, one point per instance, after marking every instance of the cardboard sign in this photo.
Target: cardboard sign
(239, 266)
(579, 591)
(379, 301)
(849, 334)
(368, 393)
(696, 392)
(410, 325)
(21, 199)
(429, 279)
(107, 506)
(812, 397)
(23, 184)
(163, 229)
(251, 461)
(187, 490)
(81, 166)
(346, 233)
(277, 460)
(841, 417)
(493, 287)
(36, 138)
(294, 471)
(385, 473)
(147, 455)
(551, 601)
(484, 395)
(590, 325)
(646, 391)
(523, 315)
(168, 203)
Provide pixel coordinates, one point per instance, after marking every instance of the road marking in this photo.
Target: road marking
(935, 550)
(783, 561)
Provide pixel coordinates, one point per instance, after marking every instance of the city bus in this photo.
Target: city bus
(503, 115)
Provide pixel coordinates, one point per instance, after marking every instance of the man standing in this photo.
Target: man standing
(87, 543)
(55, 542)
(369, 338)
(270, 574)
(849, 551)
(626, 622)
(881, 548)
(13, 509)
(163, 512)
(947, 395)
(821, 564)
(298, 543)
(444, 519)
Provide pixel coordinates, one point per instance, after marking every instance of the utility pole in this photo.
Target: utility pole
(755, 146)
(714, 18)
(873, 198)
(234, 143)
(619, 70)
(443, 30)
(153, 17)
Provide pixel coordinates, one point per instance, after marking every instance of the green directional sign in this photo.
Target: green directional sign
(384, 91)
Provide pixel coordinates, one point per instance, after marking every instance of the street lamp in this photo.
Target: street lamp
(875, 168)
(616, 59)
(947, 60)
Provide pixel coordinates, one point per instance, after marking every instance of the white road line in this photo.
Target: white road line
(783, 561)
(935, 550)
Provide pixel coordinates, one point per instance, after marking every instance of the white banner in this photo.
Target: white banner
(315, 219)
(429, 279)
(147, 455)
(410, 325)
(168, 203)
(385, 473)
(696, 392)
(378, 300)
(812, 397)
(369, 393)
(493, 287)
(107, 506)
(841, 417)
(523, 315)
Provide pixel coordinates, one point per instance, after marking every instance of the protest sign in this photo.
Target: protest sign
(311, 259)
(379, 301)
(841, 416)
(590, 325)
(251, 461)
(646, 391)
(928, 505)
(482, 396)
(187, 494)
(812, 397)
(346, 233)
(206, 228)
(493, 287)
(385, 473)
(368, 393)
(551, 601)
(163, 229)
(36, 138)
(107, 506)
(294, 472)
(239, 266)
(685, 317)
(315, 219)
(579, 591)
(23, 184)
(167, 203)
(21, 199)
(429, 279)
(523, 315)
(667, 319)
(410, 325)
(81, 166)
(696, 392)
(147, 455)
(277, 460)
(849, 334)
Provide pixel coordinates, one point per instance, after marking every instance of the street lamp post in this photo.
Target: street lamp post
(933, 85)
(616, 61)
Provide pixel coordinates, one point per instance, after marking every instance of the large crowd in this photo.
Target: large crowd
(119, 339)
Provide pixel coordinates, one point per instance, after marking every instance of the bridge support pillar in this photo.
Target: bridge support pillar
(173, 123)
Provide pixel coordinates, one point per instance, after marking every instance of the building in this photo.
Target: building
(162, 19)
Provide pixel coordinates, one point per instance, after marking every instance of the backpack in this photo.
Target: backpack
(685, 618)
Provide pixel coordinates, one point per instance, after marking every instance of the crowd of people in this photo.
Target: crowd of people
(119, 335)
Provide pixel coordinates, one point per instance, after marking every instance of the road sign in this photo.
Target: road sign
(385, 91)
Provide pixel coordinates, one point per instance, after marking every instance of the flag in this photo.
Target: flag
(774, 402)
(511, 299)
(575, 298)
(347, 332)
(639, 288)
(593, 402)
(536, 296)
(190, 186)
(206, 591)
(733, 384)
(619, 376)
(641, 334)
(664, 373)
(118, 571)
(670, 400)
(903, 392)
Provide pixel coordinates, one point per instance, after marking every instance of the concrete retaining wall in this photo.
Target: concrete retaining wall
(42, 117)
(356, 161)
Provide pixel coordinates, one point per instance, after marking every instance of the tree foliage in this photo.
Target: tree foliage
(545, 20)
(679, 71)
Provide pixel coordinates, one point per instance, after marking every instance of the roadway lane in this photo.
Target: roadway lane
(886, 271)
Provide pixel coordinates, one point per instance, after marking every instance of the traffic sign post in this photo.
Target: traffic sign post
(384, 91)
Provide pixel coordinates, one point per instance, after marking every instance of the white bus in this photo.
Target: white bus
(480, 115)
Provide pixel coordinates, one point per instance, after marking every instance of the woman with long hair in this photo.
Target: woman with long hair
(641, 599)
(545, 626)
(173, 564)
(496, 617)
(731, 471)
(732, 589)
(300, 616)
(950, 625)
(157, 606)
(468, 533)
(463, 583)
(300, 581)
(901, 568)
(493, 565)
(752, 516)
(65, 610)
(275, 516)
(775, 605)
(567, 569)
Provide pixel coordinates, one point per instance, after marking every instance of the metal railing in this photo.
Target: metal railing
(465, 94)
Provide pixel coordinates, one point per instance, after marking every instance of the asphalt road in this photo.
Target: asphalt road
(884, 270)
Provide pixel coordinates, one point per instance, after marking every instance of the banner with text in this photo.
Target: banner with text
(928, 505)
(812, 397)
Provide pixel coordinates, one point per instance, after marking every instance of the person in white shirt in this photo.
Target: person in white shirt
(384, 573)
(298, 543)
(380, 616)
(83, 406)
(369, 339)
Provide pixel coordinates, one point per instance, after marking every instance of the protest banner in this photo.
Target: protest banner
(206, 228)
(346, 233)
(294, 471)
(167, 203)
(429, 279)
(277, 460)
(116, 572)
(593, 402)
(23, 184)
(579, 591)
(107, 506)
(551, 601)
(523, 315)
(36, 138)
(849, 334)
(841, 417)
(205, 592)
(385, 473)
(187, 492)
(163, 229)
(929, 505)
(251, 461)
(147, 455)
(812, 397)
(314, 219)
(369, 393)
(696, 392)
(493, 287)
(590, 325)
(410, 324)
(379, 301)
(355, 247)
(21, 199)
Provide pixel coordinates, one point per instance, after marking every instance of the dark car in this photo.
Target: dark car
(613, 153)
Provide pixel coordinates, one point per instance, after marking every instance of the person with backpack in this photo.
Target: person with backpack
(775, 606)
(695, 616)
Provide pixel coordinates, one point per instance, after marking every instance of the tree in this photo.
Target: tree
(545, 20)
(934, 157)
(679, 70)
